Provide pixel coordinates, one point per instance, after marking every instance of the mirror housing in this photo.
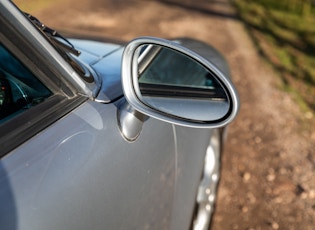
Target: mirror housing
(169, 82)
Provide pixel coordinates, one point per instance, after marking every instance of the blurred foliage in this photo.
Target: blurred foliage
(284, 32)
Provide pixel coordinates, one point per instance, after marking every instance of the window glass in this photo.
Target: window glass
(19, 88)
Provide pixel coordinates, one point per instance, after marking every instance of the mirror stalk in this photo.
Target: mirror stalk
(130, 121)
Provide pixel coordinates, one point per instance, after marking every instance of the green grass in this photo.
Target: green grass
(284, 32)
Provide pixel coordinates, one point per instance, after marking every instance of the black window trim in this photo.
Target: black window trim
(65, 98)
(19, 129)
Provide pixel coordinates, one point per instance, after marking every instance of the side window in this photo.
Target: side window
(19, 88)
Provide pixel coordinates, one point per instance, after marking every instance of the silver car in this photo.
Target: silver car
(103, 135)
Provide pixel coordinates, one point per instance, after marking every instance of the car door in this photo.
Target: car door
(65, 164)
(80, 172)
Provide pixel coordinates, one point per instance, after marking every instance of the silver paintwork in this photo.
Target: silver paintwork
(80, 174)
(102, 57)
(130, 121)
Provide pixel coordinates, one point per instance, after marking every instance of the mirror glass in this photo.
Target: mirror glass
(175, 84)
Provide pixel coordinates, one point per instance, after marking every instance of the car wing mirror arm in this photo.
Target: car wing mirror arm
(130, 121)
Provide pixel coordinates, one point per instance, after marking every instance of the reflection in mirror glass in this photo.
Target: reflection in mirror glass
(176, 84)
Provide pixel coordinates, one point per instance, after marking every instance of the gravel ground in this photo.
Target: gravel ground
(268, 165)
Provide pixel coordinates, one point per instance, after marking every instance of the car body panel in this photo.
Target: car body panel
(81, 169)
(110, 70)
(92, 51)
(191, 147)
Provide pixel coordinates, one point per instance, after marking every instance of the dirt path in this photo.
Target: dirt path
(268, 165)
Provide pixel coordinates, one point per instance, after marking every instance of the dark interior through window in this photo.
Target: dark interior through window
(19, 88)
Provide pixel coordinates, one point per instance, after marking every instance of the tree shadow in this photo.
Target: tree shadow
(301, 45)
(306, 48)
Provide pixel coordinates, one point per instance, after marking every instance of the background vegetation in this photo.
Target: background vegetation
(284, 32)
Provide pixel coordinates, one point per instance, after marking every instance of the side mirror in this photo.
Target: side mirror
(169, 82)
